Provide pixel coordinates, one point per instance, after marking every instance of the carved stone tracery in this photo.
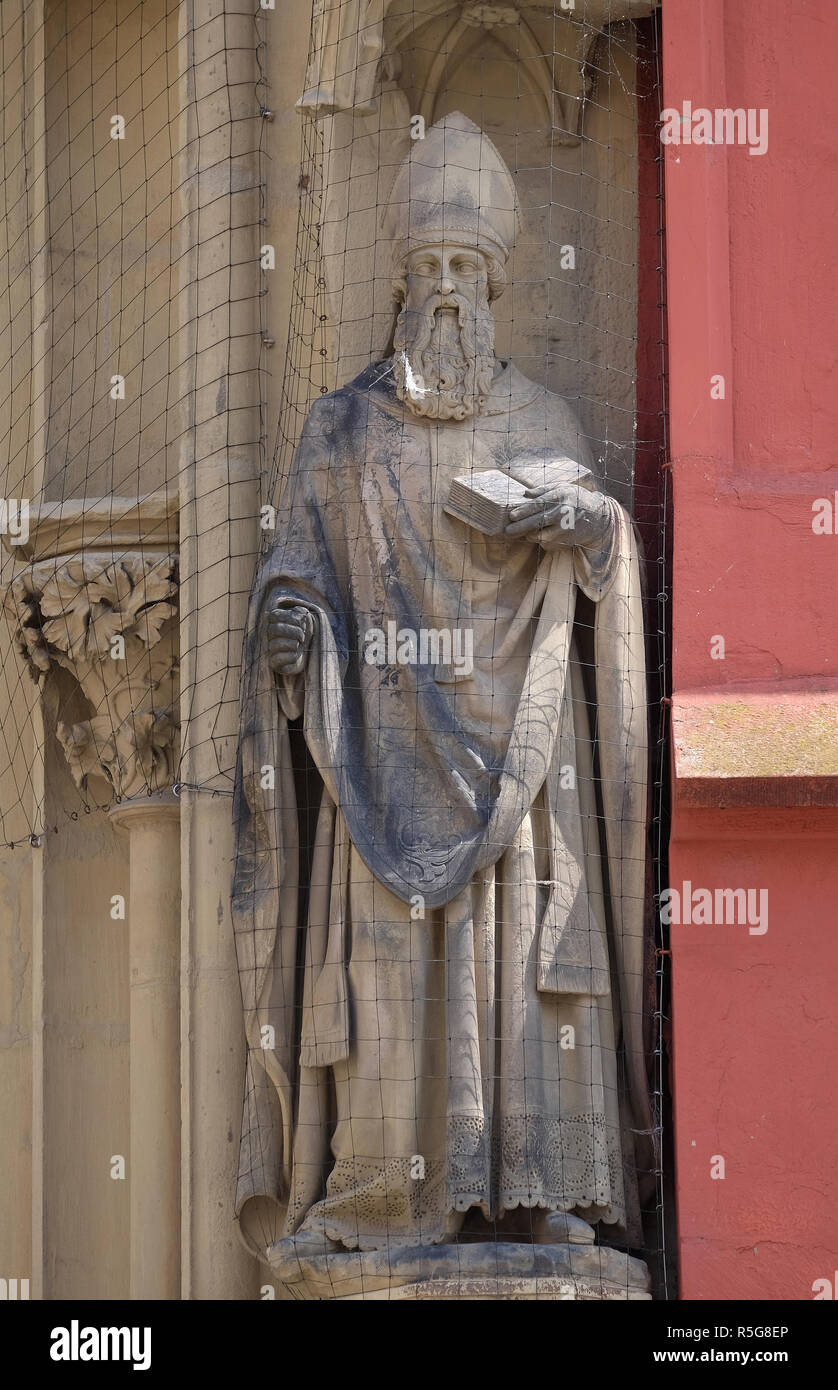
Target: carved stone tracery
(487, 15)
(354, 37)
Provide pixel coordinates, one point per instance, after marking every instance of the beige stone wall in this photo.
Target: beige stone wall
(110, 244)
(21, 210)
(138, 257)
(16, 1063)
(82, 1091)
(285, 62)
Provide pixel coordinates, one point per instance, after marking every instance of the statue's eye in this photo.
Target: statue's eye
(424, 267)
(464, 266)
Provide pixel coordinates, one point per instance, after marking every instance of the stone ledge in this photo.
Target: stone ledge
(756, 748)
(115, 524)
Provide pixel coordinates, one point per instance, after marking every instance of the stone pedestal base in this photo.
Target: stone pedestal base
(489, 1289)
(485, 1270)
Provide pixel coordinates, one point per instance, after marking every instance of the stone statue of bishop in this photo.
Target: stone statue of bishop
(440, 923)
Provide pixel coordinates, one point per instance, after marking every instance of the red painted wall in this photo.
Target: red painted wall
(750, 245)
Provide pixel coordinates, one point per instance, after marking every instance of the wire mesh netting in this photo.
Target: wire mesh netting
(454, 736)
(134, 182)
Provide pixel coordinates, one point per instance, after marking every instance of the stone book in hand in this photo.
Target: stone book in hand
(483, 500)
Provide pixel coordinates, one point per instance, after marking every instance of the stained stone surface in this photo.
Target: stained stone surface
(483, 1270)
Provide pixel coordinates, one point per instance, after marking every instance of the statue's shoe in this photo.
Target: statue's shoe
(561, 1228)
(313, 1243)
(293, 1258)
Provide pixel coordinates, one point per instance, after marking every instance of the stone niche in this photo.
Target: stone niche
(554, 86)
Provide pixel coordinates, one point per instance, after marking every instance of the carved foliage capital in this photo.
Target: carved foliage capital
(107, 620)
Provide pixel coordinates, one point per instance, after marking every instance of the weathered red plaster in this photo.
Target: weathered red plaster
(751, 296)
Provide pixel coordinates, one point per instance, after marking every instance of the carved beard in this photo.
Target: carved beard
(444, 365)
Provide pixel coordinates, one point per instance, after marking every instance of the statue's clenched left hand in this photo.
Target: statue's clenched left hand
(560, 514)
(289, 634)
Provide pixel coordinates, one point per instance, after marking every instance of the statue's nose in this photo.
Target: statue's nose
(446, 284)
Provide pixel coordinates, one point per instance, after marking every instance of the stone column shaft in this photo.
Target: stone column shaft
(153, 918)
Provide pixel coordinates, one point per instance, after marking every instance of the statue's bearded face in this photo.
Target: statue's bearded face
(445, 333)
